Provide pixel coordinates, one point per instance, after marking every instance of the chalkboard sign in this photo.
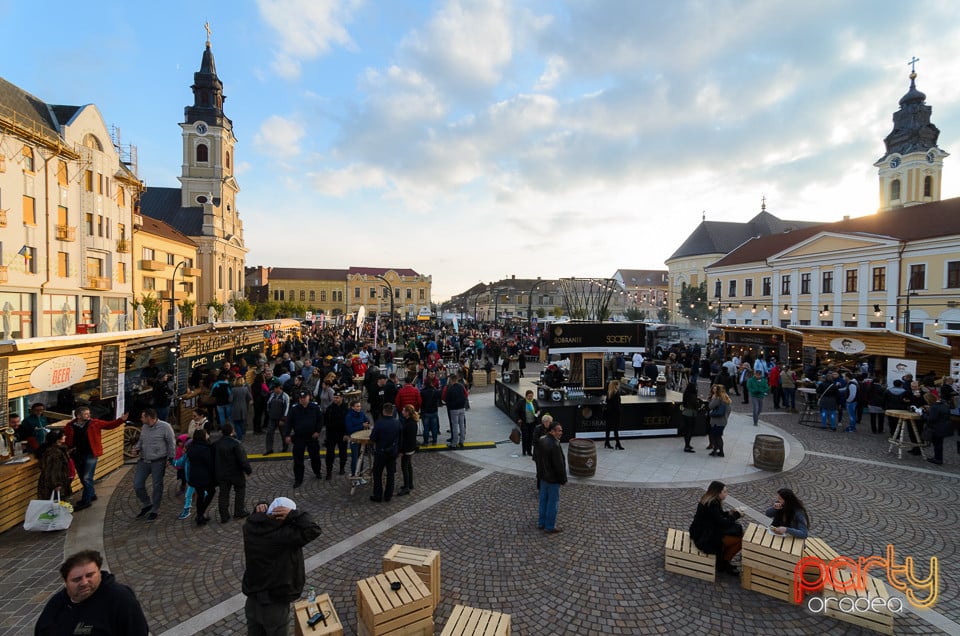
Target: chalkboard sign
(809, 356)
(592, 373)
(183, 374)
(109, 371)
(4, 415)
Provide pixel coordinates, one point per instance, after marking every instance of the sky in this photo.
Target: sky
(475, 140)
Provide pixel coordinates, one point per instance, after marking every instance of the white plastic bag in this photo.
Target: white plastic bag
(47, 515)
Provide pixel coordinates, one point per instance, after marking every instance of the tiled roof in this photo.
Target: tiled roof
(31, 110)
(644, 277)
(721, 237)
(63, 113)
(940, 218)
(373, 271)
(306, 273)
(163, 204)
(159, 228)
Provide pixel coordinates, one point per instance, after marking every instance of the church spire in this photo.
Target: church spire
(912, 130)
(207, 92)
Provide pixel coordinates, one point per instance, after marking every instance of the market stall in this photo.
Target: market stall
(884, 352)
(766, 340)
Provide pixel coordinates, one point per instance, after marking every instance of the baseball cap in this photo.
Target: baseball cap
(281, 501)
(303, 393)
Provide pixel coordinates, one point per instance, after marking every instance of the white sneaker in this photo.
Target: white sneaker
(184, 515)
(362, 482)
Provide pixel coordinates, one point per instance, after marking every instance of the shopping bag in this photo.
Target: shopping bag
(46, 515)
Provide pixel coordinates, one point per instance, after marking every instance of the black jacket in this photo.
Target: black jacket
(429, 399)
(112, 610)
(274, 555)
(551, 464)
(335, 418)
(232, 463)
(711, 524)
(455, 396)
(385, 436)
(408, 435)
(202, 472)
(938, 418)
(520, 411)
(303, 422)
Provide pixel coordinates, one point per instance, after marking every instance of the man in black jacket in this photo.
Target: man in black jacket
(304, 422)
(334, 419)
(232, 468)
(552, 473)
(385, 438)
(273, 540)
(92, 602)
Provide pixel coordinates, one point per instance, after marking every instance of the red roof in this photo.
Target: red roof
(375, 271)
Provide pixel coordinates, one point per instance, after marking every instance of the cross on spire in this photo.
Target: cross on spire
(206, 27)
(913, 64)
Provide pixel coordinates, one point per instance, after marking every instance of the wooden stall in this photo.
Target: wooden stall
(952, 336)
(61, 372)
(847, 344)
(753, 340)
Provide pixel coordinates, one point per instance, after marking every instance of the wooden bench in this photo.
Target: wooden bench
(769, 561)
(683, 557)
(470, 621)
(426, 563)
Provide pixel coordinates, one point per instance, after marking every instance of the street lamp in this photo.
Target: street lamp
(906, 314)
(173, 295)
(393, 327)
(530, 300)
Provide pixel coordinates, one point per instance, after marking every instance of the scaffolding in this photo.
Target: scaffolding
(126, 152)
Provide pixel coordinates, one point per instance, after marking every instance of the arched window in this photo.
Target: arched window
(895, 189)
(220, 276)
(928, 186)
(90, 141)
(228, 160)
(202, 153)
(230, 278)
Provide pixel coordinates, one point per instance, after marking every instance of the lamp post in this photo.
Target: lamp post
(906, 313)
(393, 327)
(530, 300)
(173, 295)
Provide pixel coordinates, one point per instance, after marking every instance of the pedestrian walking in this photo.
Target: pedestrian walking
(552, 473)
(526, 415)
(455, 396)
(611, 414)
(156, 447)
(718, 410)
(278, 406)
(232, 469)
(408, 446)
(758, 388)
(202, 476)
(304, 422)
(84, 437)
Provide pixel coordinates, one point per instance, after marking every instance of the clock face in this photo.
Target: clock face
(930, 157)
(895, 162)
(202, 128)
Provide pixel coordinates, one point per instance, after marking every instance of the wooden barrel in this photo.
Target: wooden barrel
(582, 457)
(768, 452)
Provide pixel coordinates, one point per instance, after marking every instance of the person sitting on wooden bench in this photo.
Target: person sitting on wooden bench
(789, 515)
(715, 530)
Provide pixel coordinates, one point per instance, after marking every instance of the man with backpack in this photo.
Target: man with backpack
(222, 395)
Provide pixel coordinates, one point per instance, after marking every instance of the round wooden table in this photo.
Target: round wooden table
(904, 419)
(357, 478)
(809, 413)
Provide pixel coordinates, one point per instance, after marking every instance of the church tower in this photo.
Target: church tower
(910, 170)
(207, 182)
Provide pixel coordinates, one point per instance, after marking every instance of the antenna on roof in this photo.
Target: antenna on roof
(763, 203)
(703, 215)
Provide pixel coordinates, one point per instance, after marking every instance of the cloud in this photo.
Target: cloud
(279, 137)
(556, 65)
(306, 29)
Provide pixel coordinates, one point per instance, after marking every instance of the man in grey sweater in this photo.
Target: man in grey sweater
(156, 447)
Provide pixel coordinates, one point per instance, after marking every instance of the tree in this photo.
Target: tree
(693, 303)
(663, 315)
(151, 309)
(541, 312)
(244, 308)
(557, 312)
(186, 311)
(266, 310)
(635, 314)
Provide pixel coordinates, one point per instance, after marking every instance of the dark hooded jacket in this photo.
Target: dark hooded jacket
(274, 555)
(113, 610)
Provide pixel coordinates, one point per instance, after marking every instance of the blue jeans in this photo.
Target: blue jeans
(155, 470)
(87, 467)
(223, 413)
(238, 427)
(852, 412)
(549, 505)
(828, 416)
(354, 456)
(757, 408)
(431, 427)
(789, 397)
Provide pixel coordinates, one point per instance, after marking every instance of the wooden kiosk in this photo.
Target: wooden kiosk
(846, 344)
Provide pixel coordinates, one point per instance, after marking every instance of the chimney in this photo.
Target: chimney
(846, 217)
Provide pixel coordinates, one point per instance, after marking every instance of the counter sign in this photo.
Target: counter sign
(58, 373)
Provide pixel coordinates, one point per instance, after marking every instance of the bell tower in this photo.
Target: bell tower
(910, 171)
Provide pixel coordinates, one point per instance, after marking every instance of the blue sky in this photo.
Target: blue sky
(472, 140)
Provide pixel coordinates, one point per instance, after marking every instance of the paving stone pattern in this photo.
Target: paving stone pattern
(29, 562)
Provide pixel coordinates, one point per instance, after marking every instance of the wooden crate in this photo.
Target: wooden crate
(879, 620)
(426, 563)
(407, 611)
(682, 557)
(772, 554)
(470, 621)
(479, 377)
(333, 626)
(768, 584)
(817, 547)
(18, 485)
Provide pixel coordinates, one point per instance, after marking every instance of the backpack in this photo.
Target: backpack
(221, 393)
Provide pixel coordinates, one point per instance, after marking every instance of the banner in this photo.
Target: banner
(898, 367)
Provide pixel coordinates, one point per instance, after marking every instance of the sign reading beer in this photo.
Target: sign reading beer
(58, 373)
(572, 337)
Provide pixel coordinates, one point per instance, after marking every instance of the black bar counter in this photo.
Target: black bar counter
(584, 418)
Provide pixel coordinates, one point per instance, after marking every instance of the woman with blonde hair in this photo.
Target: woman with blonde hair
(612, 414)
(718, 409)
(408, 446)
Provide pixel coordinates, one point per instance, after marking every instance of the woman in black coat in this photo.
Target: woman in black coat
(689, 409)
(612, 414)
(201, 474)
(715, 530)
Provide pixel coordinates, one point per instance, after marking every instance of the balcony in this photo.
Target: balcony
(123, 246)
(152, 266)
(98, 282)
(66, 233)
(3, 218)
(3, 274)
(191, 271)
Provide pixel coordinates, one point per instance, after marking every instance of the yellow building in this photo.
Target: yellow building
(66, 202)
(371, 287)
(165, 269)
(319, 290)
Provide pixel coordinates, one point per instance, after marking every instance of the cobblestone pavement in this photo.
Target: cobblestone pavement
(602, 575)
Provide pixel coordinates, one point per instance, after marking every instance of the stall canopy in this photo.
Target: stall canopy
(930, 356)
(597, 337)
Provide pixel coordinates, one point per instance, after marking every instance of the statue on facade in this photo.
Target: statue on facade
(7, 319)
(229, 312)
(104, 319)
(176, 317)
(141, 317)
(211, 314)
(64, 322)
